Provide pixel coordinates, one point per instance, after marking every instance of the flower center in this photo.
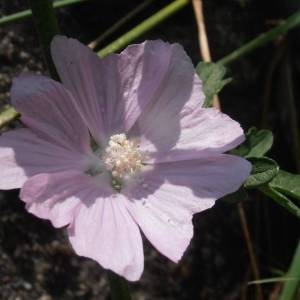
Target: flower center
(122, 157)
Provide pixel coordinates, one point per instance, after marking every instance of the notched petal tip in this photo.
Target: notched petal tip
(63, 46)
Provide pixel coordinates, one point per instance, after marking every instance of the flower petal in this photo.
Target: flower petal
(204, 132)
(55, 196)
(47, 109)
(104, 231)
(112, 92)
(23, 154)
(101, 227)
(180, 93)
(166, 197)
(167, 225)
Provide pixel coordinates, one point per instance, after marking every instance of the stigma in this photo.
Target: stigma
(122, 157)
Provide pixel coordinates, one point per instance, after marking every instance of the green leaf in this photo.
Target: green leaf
(264, 169)
(257, 143)
(281, 199)
(212, 75)
(287, 183)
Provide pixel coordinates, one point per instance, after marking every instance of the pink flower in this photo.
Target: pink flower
(122, 145)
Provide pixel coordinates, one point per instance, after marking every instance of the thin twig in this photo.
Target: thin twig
(252, 256)
(94, 44)
(203, 41)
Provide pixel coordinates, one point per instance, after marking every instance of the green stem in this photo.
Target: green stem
(143, 27)
(263, 39)
(118, 287)
(290, 287)
(47, 26)
(22, 15)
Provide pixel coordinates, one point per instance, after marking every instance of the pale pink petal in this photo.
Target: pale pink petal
(180, 93)
(104, 231)
(204, 132)
(100, 226)
(82, 72)
(165, 198)
(47, 108)
(23, 154)
(56, 196)
(111, 92)
(167, 225)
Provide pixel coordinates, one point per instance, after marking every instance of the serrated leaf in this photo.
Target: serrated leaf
(281, 199)
(256, 144)
(264, 169)
(287, 183)
(212, 76)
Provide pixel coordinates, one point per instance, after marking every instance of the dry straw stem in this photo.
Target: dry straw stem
(203, 41)
(251, 252)
(205, 53)
(202, 36)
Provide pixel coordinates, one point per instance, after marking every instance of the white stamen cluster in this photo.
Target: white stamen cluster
(122, 157)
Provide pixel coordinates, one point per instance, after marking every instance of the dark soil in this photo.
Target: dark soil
(36, 261)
